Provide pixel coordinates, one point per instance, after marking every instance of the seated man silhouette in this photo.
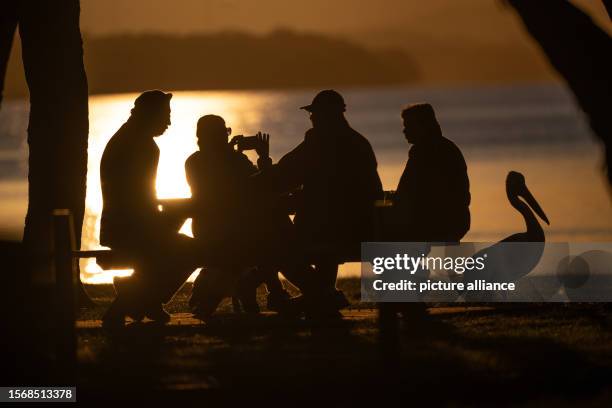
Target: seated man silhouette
(335, 170)
(431, 203)
(131, 222)
(231, 215)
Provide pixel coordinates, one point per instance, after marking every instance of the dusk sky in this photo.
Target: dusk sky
(450, 41)
(474, 20)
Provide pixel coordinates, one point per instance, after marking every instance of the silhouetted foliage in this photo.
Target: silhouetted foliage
(581, 52)
(8, 24)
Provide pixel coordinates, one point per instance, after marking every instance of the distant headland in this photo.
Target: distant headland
(230, 60)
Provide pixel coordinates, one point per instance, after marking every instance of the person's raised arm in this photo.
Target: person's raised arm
(263, 151)
(287, 174)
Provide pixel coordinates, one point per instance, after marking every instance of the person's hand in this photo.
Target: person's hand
(263, 144)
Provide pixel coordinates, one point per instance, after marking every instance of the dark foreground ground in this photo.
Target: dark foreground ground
(506, 354)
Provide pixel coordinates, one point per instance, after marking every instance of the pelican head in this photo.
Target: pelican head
(516, 187)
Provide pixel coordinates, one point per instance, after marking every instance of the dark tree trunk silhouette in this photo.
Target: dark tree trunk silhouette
(58, 127)
(581, 52)
(8, 24)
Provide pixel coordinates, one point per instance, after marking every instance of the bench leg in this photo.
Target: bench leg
(389, 333)
(65, 284)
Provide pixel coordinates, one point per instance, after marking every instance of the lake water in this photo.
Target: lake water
(534, 129)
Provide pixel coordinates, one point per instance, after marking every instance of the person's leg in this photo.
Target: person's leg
(278, 298)
(302, 276)
(245, 292)
(327, 273)
(324, 300)
(211, 286)
(124, 304)
(162, 271)
(131, 299)
(169, 258)
(197, 289)
(164, 264)
(272, 281)
(251, 279)
(158, 284)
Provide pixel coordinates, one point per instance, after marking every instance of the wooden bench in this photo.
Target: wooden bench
(65, 256)
(180, 208)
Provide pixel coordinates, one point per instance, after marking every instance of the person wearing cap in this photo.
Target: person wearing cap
(335, 170)
(131, 222)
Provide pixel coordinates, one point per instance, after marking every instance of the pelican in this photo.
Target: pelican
(516, 188)
(517, 255)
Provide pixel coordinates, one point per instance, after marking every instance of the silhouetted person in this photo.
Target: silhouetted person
(131, 222)
(431, 203)
(228, 213)
(335, 168)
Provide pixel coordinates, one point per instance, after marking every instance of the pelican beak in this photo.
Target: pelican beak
(531, 201)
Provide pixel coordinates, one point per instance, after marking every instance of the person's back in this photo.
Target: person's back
(127, 177)
(432, 199)
(340, 185)
(217, 184)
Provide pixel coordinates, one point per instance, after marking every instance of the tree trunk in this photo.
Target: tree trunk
(58, 127)
(8, 23)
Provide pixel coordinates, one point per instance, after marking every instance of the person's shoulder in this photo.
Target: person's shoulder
(356, 135)
(194, 161)
(114, 146)
(118, 138)
(313, 139)
(450, 152)
(360, 140)
(451, 147)
(311, 135)
(448, 143)
(123, 137)
(194, 157)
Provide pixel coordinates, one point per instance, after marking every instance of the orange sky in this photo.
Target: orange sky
(475, 20)
(451, 41)
(465, 35)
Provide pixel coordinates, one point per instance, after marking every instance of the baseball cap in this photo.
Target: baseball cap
(327, 100)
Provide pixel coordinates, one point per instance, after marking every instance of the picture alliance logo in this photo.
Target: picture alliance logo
(411, 264)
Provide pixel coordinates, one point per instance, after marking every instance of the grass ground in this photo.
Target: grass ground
(506, 354)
